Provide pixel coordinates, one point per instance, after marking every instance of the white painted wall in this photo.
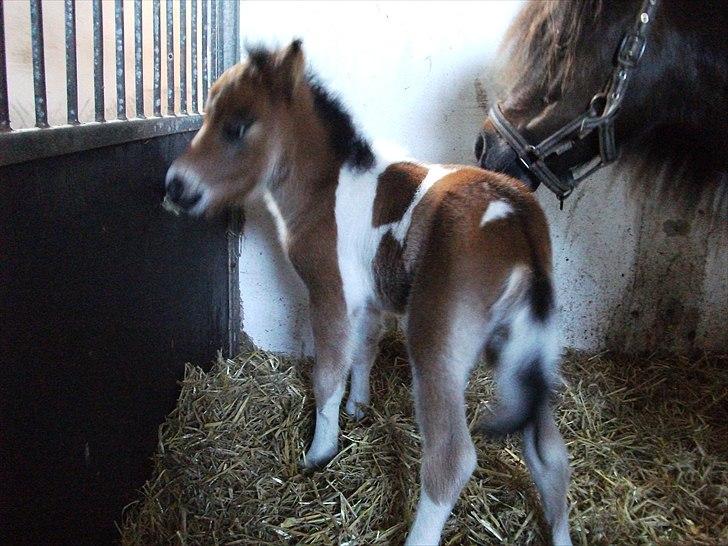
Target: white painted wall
(411, 72)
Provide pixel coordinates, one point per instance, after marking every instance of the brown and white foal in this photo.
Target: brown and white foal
(462, 253)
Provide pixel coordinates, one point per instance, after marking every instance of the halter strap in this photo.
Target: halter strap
(601, 114)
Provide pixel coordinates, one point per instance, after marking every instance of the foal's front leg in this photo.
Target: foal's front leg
(331, 333)
(329, 380)
(339, 344)
(366, 332)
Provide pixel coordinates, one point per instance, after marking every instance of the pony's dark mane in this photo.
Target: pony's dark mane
(348, 145)
(673, 127)
(544, 38)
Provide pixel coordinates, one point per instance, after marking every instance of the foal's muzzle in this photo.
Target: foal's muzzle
(179, 195)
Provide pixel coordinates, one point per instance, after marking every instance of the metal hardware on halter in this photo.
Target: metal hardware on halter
(601, 114)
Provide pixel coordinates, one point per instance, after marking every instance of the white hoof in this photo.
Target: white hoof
(354, 409)
(319, 458)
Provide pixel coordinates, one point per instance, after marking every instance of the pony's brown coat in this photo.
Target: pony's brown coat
(396, 187)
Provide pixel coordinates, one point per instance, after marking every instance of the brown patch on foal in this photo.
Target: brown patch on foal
(458, 266)
(396, 187)
(391, 277)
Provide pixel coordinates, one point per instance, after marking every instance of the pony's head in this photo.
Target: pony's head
(552, 72)
(247, 127)
(671, 124)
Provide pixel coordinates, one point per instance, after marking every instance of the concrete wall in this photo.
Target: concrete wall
(631, 275)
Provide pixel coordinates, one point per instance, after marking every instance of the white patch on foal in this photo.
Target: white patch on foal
(275, 212)
(325, 442)
(496, 210)
(428, 524)
(357, 240)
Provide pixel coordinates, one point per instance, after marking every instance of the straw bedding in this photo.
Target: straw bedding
(647, 437)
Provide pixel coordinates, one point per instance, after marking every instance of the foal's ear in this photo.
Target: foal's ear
(291, 68)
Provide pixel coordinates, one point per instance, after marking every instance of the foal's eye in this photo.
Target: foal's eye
(235, 131)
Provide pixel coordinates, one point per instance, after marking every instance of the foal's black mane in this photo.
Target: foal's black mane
(348, 145)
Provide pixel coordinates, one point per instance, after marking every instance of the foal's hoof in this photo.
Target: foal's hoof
(316, 461)
(355, 410)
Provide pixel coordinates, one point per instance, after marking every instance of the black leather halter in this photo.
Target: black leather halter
(603, 110)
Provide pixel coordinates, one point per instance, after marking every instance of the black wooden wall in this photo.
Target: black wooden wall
(103, 298)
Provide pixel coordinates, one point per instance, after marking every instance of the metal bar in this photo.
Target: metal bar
(170, 58)
(28, 144)
(39, 83)
(156, 31)
(98, 60)
(120, 69)
(138, 59)
(222, 43)
(69, 11)
(234, 232)
(213, 40)
(183, 56)
(229, 24)
(4, 107)
(204, 53)
(193, 55)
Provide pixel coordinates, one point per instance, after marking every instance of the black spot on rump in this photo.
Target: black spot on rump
(541, 295)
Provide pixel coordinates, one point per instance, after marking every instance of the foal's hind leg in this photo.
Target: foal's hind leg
(548, 461)
(440, 369)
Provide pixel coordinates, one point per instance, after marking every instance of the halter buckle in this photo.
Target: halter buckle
(631, 49)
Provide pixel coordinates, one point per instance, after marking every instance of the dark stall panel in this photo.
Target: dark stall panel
(103, 298)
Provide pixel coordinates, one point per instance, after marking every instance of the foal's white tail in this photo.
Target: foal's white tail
(522, 347)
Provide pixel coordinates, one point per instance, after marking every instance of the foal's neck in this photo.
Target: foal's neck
(303, 183)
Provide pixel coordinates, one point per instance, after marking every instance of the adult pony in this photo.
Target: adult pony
(463, 253)
(562, 60)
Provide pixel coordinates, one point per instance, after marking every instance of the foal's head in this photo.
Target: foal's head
(252, 113)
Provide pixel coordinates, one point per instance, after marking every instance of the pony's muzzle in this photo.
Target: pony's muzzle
(494, 154)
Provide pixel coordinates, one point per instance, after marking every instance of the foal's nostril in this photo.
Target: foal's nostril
(187, 202)
(175, 189)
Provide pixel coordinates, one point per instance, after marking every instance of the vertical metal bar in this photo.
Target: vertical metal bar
(213, 40)
(170, 58)
(228, 24)
(4, 107)
(220, 40)
(183, 56)
(138, 59)
(71, 72)
(156, 31)
(98, 60)
(39, 83)
(120, 69)
(193, 55)
(204, 53)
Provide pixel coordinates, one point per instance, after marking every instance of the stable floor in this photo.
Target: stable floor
(647, 438)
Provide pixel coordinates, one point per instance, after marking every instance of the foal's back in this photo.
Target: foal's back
(405, 227)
